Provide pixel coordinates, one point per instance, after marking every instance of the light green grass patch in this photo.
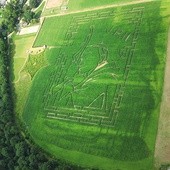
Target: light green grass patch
(23, 45)
(22, 88)
(22, 80)
(18, 65)
(21, 50)
(40, 8)
(83, 4)
(34, 64)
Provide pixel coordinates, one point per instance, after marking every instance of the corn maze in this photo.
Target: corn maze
(96, 93)
(72, 79)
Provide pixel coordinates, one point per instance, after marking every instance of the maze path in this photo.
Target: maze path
(87, 114)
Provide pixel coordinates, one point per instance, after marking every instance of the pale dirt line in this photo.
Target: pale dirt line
(104, 7)
(53, 3)
(38, 5)
(162, 149)
(33, 51)
(101, 65)
(19, 77)
(29, 30)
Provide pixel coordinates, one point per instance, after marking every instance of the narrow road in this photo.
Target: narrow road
(103, 7)
(162, 150)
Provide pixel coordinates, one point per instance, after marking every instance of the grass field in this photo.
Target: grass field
(22, 45)
(97, 101)
(40, 8)
(83, 4)
(79, 5)
(21, 79)
(73, 4)
(1, 19)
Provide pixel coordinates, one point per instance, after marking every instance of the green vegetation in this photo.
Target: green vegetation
(34, 63)
(40, 8)
(11, 15)
(1, 19)
(22, 46)
(23, 43)
(56, 28)
(51, 11)
(18, 64)
(16, 152)
(34, 3)
(29, 16)
(83, 4)
(97, 102)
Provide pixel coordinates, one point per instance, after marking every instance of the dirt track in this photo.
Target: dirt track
(103, 7)
(29, 30)
(53, 3)
(162, 150)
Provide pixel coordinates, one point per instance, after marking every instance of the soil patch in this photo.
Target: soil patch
(162, 150)
(54, 3)
(29, 30)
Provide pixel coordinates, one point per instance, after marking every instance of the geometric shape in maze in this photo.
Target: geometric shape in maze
(77, 97)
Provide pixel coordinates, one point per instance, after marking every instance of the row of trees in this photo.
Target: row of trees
(29, 16)
(12, 14)
(16, 151)
(34, 3)
(14, 11)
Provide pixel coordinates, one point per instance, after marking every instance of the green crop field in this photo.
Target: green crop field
(83, 4)
(22, 45)
(96, 103)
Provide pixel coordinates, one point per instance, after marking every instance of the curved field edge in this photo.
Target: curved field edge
(162, 148)
(91, 161)
(156, 113)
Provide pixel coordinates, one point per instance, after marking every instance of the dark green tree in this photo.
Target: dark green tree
(34, 3)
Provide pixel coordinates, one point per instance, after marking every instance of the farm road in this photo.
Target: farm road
(104, 7)
(162, 150)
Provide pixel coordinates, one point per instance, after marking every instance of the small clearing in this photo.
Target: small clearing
(103, 7)
(162, 151)
(29, 30)
(54, 3)
(36, 50)
(101, 65)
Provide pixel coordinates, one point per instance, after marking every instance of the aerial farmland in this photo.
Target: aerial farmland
(92, 82)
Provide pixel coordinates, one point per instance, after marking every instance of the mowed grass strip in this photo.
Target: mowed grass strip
(21, 50)
(56, 29)
(83, 4)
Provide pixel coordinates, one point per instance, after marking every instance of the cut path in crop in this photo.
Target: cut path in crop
(53, 4)
(104, 7)
(29, 30)
(162, 151)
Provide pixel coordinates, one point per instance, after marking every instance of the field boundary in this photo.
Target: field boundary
(103, 7)
(60, 86)
(162, 150)
(41, 24)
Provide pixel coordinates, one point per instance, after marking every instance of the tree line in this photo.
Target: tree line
(16, 10)
(17, 152)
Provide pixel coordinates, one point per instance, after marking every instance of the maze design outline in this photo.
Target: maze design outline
(128, 52)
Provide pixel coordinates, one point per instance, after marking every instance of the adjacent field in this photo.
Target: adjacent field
(53, 4)
(73, 6)
(22, 46)
(21, 78)
(96, 103)
(83, 4)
